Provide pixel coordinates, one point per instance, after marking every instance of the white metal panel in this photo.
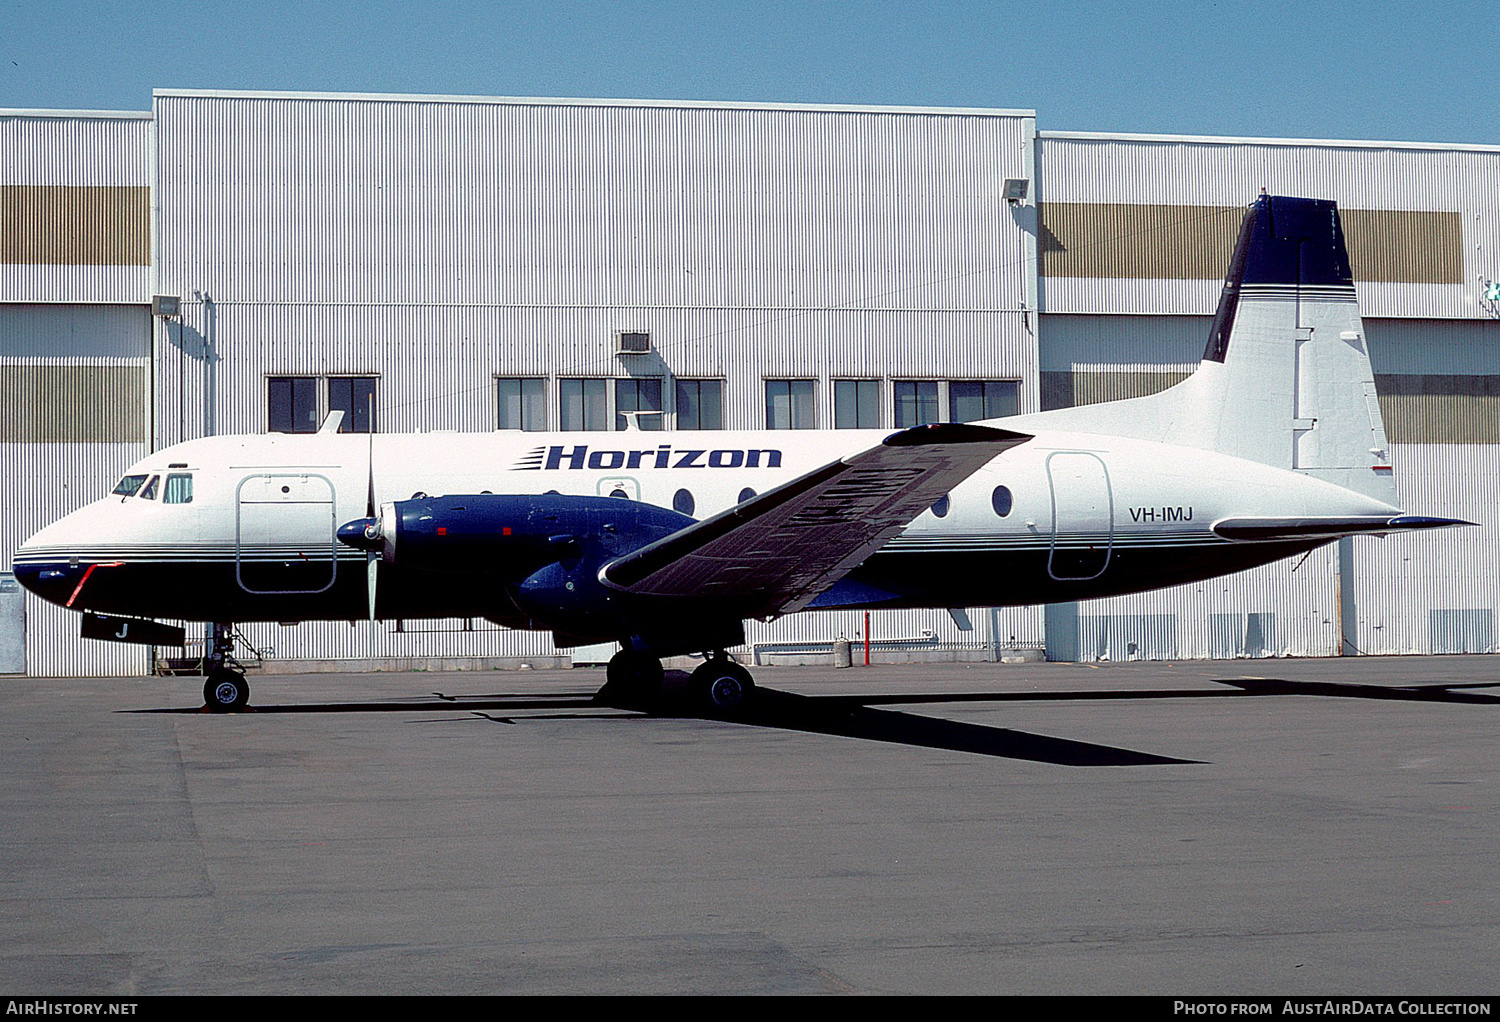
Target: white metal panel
(1434, 346)
(1200, 171)
(1122, 343)
(437, 366)
(453, 203)
(1403, 579)
(77, 149)
(60, 147)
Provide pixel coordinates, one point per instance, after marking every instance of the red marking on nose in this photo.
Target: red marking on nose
(442, 530)
(505, 531)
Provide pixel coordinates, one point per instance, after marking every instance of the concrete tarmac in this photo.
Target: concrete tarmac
(1294, 827)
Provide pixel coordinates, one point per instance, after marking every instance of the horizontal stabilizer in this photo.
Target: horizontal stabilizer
(1272, 530)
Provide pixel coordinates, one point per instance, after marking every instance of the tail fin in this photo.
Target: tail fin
(1285, 378)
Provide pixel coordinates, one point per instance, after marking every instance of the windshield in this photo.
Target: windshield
(128, 486)
(149, 493)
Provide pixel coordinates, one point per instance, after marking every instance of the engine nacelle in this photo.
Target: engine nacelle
(507, 536)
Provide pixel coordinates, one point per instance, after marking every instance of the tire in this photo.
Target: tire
(722, 686)
(635, 675)
(225, 691)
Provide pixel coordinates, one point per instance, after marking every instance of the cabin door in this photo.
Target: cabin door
(285, 533)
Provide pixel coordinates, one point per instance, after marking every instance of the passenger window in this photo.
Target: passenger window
(128, 486)
(178, 490)
(940, 506)
(683, 503)
(1002, 501)
(149, 493)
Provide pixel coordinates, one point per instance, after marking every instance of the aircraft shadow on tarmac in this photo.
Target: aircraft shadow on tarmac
(856, 717)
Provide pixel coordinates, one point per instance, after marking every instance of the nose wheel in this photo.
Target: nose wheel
(721, 685)
(225, 691)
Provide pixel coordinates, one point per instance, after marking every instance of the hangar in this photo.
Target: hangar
(248, 262)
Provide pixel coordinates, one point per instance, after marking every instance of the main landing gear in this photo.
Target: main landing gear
(635, 679)
(721, 685)
(225, 689)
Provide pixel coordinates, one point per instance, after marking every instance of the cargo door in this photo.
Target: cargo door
(285, 533)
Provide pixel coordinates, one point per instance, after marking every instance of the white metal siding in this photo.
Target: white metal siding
(1183, 171)
(506, 203)
(79, 150)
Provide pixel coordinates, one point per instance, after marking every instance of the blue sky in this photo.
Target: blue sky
(1376, 70)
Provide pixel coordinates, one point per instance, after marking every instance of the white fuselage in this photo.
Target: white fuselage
(1063, 516)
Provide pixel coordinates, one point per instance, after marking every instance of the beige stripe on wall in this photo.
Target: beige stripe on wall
(1439, 408)
(72, 404)
(1160, 242)
(75, 225)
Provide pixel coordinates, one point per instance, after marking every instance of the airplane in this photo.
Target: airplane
(668, 542)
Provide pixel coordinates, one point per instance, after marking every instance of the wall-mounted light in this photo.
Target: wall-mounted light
(166, 306)
(1015, 189)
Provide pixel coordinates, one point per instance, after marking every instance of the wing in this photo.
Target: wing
(776, 552)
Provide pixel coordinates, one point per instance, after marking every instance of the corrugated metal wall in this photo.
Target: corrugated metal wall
(439, 244)
(75, 339)
(75, 207)
(1149, 204)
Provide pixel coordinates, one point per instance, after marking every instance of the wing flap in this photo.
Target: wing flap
(776, 552)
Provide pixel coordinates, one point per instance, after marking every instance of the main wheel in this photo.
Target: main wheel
(721, 686)
(225, 691)
(634, 675)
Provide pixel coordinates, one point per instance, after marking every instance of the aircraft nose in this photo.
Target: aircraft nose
(51, 564)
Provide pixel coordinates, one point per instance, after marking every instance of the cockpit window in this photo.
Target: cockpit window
(128, 486)
(148, 492)
(178, 490)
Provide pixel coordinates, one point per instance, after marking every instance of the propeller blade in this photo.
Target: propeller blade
(372, 571)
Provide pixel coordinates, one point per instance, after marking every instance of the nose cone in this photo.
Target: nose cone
(53, 562)
(362, 534)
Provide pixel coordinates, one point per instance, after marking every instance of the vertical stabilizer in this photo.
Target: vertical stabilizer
(1285, 378)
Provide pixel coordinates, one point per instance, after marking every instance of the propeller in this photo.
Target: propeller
(365, 533)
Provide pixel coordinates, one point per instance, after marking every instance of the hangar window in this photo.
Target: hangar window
(522, 403)
(583, 404)
(641, 395)
(299, 404)
(917, 402)
(700, 404)
(292, 404)
(856, 404)
(178, 489)
(789, 405)
(971, 400)
(355, 397)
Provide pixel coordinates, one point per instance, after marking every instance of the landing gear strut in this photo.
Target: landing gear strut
(721, 685)
(224, 687)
